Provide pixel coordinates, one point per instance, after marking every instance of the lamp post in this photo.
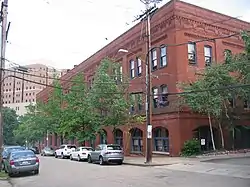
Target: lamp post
(148, 158)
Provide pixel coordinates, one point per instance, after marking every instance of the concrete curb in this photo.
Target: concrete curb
(147, 165)
(224, 158)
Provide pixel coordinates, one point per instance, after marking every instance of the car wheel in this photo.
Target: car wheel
(79, 158)
(119, 163)
(36, 172)
(62, 156)
(2, 167)
(89, 159)
(10, 174)
(70, 157)
(56, 155)
(101, 162)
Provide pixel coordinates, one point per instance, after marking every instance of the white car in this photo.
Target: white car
(81, 153)
(65, 151)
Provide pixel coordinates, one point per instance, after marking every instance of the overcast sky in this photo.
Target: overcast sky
(62, 33)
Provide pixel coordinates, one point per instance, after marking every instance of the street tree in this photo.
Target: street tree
(31, 126)
(107, 97)
(10, 123)
(79, 120)
(54, 110)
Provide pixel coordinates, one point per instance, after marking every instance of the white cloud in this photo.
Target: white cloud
(67, 32)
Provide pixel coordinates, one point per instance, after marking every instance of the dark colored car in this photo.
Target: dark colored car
(8, 149)
(21, 162)
(34, 149)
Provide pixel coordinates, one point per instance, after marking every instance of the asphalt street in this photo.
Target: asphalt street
(65, 173)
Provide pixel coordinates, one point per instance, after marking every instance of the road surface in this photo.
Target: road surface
(66, 173)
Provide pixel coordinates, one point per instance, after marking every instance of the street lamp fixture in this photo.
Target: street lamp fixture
(123, 50)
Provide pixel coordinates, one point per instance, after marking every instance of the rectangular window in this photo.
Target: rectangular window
(163, 56)
(164, 96)
(139, 66)
(208, 55)
(139, 101)
(192, 53)
(154, 59)
(155, 97)
(132, 69)
(132, 101)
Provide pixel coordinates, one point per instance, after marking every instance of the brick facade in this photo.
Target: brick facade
(175, 23)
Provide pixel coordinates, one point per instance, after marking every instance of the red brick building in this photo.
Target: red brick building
(175, 23)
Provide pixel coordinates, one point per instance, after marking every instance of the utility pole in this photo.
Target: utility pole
(4, 12)
(147, 16)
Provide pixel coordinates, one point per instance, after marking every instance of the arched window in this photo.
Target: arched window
(136, 140)
(118, 136)
(161, 140)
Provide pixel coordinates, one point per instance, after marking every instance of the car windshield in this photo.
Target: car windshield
(10, 149)
(21, 154)
(114, 147)
(71, 146)
(48, 149)
(87, 149)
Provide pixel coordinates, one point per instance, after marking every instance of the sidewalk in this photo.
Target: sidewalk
(156, 161)
(165, 160)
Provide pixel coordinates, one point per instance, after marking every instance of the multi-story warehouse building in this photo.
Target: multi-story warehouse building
(175, 58)
(20, 88)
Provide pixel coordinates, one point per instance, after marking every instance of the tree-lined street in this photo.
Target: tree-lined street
(64, 173)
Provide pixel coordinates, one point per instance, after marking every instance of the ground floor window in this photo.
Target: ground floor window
(161, 139)
(136, 140)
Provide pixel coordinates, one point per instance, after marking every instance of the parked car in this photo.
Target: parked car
(47, 151)
(21, 161)
(34, 149)
(7, 150)
(107, 153)
(81, 153)
(64, 151)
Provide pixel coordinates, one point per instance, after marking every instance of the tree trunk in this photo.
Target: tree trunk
(211, 131)
(222, 136)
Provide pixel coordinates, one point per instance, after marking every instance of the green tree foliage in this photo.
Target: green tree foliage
(217, 103)
(79, 121)
(31, 128)
(107, 95)
(10, 123)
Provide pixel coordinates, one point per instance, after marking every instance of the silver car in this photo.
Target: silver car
(107, 153)
(47, 151)
(21, 161)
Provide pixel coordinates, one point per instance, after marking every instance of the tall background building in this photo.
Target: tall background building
(20, 88)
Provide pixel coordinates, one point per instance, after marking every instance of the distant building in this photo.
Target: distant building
(20, 93)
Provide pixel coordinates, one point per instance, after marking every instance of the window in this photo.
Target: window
(155, 97)
(139, 101)
(132, 100)
(163, 56)
(154, 59)
(139, 66)
(192, 53)
(208, 55)
(132, 69)
(163, 101)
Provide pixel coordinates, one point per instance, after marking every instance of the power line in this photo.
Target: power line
(57, 87)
